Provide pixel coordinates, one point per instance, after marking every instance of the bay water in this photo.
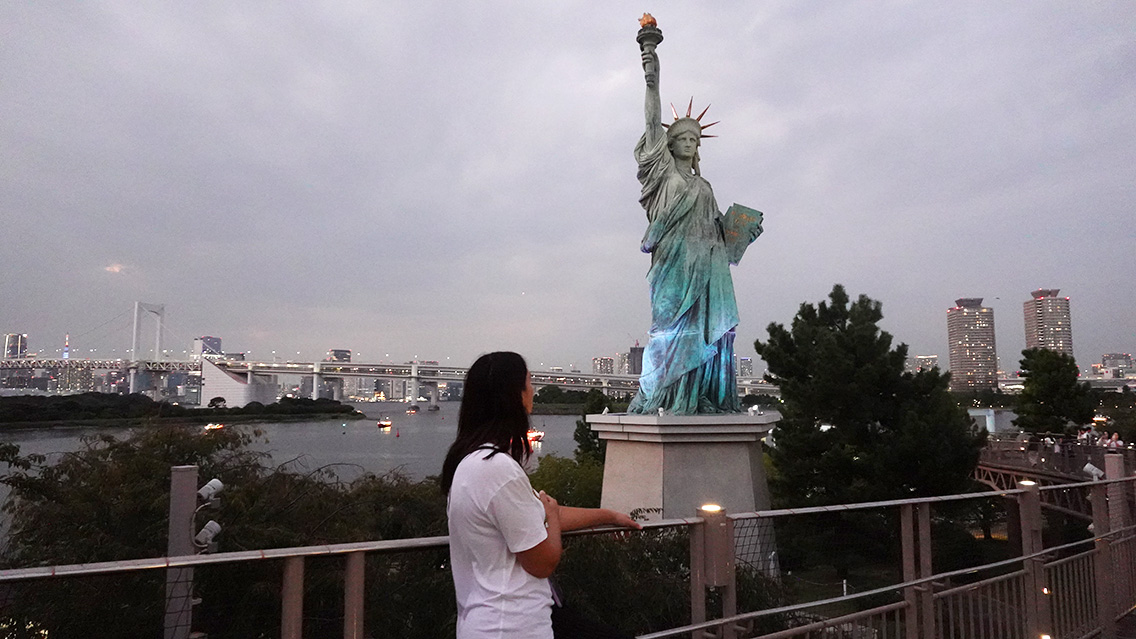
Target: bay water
(415, 444)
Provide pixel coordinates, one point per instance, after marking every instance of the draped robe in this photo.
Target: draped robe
(688, 363)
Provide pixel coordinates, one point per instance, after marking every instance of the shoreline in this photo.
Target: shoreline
(186, 420)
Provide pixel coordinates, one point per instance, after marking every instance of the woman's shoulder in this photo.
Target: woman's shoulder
(491, 460)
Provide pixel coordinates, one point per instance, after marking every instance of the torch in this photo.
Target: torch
(649, 37)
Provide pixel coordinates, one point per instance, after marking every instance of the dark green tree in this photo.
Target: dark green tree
(589, 446)
(551, 394)
(855, 426)
(1052, 400)
(1120, 410)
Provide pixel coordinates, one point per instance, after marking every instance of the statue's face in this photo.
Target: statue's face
(684, 145)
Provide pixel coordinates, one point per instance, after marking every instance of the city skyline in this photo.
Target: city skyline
(272, 177)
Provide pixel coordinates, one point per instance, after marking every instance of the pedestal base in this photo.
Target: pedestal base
(672, 464)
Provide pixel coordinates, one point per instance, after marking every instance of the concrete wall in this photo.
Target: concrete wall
(238, 389)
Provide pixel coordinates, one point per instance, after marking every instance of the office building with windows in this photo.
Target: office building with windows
(15, 345)
(603, 365)
(1047, 322)
(745, 367)
(973, 356)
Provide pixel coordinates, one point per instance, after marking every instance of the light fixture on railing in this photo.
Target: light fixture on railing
(204, 538)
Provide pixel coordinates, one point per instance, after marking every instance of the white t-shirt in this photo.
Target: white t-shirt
(493, 515)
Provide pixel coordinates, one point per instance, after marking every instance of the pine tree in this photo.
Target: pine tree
(855, 426)
(1052, 400)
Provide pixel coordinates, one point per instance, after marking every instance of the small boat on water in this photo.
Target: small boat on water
(413, 410)
(212, 426)
(385, 423)
(433, 407)
(535, 435)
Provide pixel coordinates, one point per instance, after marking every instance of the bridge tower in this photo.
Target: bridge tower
(159, 311)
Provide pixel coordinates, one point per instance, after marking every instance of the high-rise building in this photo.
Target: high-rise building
(603, 365)
(745, 367)
(635, 360)
(922, 363)
(338, 355)
(622, 363)
(973, 357)
(1114, 365)
(206, 346)
(1047, 322)
(15, 345)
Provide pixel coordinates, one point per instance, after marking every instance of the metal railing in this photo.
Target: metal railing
(1067, 590)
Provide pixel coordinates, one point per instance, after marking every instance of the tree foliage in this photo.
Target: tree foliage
(1120, 410)
(1052, 400)
(589, 446)
(855, 426)
(109, 501)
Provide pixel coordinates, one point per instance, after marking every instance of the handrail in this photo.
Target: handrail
(810, 510)
(422, 543)
(185, 561)
(867, 593)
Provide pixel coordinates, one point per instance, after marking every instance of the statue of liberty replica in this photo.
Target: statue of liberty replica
(684, 443)
(688, 364)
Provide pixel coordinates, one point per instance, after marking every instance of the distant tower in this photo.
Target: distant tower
(67, 346)
(926, 362)
(338, 355)
(15, 345)
(745, 367)
(1048, 323)
(206, 346)
(603, 365)
(974, 359)
(635, 360)
(1122, 361)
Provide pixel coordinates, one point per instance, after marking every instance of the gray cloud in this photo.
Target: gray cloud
(444, 180)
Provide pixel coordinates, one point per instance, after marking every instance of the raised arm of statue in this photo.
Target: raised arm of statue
(652, 106)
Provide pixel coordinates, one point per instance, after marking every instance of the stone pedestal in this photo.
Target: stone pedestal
(672, 464)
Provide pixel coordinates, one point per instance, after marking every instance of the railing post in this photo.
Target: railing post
(1037, 602)
(1102, 563)
(910, 596)
(719, 570)
(698, 572)
(292, 608)
(1118, 515)
(179, 581)
(926, 591)
(353, 596)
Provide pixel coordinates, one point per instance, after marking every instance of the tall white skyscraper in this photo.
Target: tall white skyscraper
(1048, 322)
(970, 333)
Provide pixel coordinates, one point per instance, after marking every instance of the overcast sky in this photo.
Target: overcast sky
(438, 179)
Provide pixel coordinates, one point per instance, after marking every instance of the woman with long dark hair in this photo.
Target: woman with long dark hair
(504, 536)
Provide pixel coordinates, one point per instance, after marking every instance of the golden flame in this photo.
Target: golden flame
(648, 20)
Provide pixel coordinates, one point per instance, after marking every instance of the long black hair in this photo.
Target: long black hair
(492, 412)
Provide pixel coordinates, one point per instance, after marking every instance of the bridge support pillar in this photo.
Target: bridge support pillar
(317, 380)
(670, 465)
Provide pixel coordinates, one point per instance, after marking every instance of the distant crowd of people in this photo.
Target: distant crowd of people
(1088, 435)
